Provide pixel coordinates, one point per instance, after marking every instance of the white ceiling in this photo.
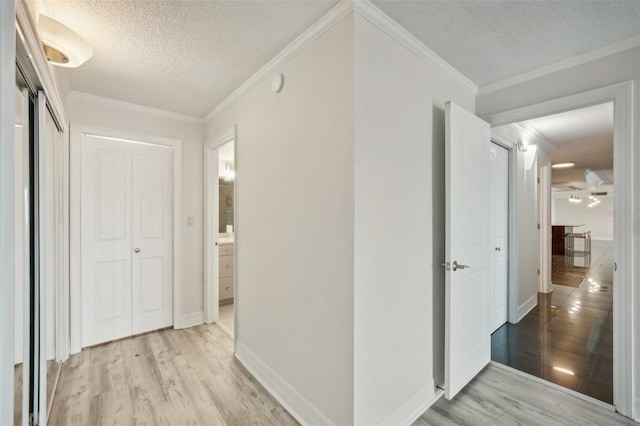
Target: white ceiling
(583, 136)
(489, 41)
(187, 56)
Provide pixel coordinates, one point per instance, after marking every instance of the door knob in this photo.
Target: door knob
(455, 265)
(137, 250)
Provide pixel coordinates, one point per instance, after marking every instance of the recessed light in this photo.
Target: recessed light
(562, 165)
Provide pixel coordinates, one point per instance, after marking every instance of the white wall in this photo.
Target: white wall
(101, 113)
(597, 219)
(294, 150)
(399, 224)
(608, 70)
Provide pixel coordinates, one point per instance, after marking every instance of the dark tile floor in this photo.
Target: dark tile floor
(568, 338)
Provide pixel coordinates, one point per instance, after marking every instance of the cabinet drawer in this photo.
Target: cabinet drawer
(226, 249)
(226, 266)
(225, 288)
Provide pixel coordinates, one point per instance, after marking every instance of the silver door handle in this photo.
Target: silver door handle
(454, 266)
(137, 250)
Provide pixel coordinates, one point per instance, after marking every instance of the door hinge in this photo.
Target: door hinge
(538, 226)
(538, 271)
(538, 180)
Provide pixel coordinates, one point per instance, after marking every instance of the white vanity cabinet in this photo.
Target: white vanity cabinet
(225, 272)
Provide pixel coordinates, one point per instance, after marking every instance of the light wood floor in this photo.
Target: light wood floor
(500, 397)
(171, 377)
(189, 377)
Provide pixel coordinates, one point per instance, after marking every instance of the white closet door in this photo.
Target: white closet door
(500, 229)
(152, 261)
(106, 239)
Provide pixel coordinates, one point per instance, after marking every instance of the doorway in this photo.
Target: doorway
(220, 232)
(567, 337)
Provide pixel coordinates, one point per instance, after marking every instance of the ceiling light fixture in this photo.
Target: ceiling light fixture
(562, 165)
(575, 199)
(62, 46)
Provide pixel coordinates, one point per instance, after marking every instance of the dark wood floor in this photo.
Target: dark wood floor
(568, 338)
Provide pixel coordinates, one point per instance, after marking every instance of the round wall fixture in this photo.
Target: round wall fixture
(277, 82)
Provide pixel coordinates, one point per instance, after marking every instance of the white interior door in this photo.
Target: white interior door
(126, 237)
(500, 231)
(152, 264)
(467, 251)
(106, 239)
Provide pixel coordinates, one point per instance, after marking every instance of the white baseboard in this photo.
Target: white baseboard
(192, 319)
(527, 306)
(299, 407)
(412, 408)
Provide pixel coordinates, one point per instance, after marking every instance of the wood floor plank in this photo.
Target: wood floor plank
(501, 397)
(170, 377)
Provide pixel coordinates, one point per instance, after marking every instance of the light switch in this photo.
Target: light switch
(189, 220)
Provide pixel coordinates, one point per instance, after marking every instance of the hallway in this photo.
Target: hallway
(568, 338)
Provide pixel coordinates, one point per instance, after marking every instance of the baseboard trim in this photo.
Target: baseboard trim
(192, 319)
(297, 405)
(527, 306)
(412, 408)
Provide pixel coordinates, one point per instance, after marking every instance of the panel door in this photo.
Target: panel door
(152, 237)
(500, 237)
(467, 290)
(106, 239)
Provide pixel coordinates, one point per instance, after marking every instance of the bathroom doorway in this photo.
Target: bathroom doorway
(220, 232)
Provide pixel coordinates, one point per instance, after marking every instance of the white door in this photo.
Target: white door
(500, 234)
(467, 251)
(126, 227)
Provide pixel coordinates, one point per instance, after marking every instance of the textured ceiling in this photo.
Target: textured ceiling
(180, 56)
(489, 41)
(187, 56)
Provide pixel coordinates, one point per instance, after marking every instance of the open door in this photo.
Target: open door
(468, 261)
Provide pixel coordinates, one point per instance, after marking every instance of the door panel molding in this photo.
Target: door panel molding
(76, 133)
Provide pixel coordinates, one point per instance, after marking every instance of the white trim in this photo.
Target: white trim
(192, 319)
(127, 106)
(76, 130)
(624, 364)
(366, 10)
(7, 202)
(371, 13)
(297, 405)
(535, 137)
(544, 208)
(211, 296)
(527, 306)
(409, 411)
(31, 41)
(559, 66)
(512, 286)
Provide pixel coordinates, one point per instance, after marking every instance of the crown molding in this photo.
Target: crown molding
(537, 138)
(368, 11)
(326, 22)
(560, 66)
(371, 13)
(134, 107)
(28, 36)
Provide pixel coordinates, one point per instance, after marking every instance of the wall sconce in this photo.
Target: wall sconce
(62, 46)
(522, 146)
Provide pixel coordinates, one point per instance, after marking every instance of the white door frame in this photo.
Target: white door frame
(544, 209)
(211, 211)
(621, 94)
(512, 273)
(75, 284)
